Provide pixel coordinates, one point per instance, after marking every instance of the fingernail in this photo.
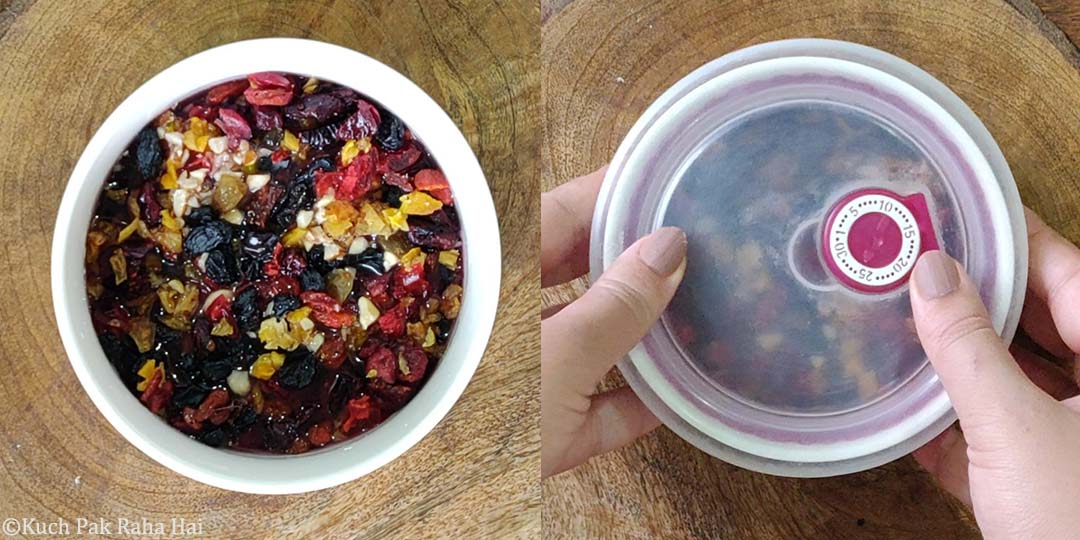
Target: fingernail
(664, 250)
(935, 275)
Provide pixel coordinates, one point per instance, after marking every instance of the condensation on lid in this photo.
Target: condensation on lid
(747, 317)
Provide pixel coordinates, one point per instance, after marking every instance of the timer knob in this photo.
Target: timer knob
(872, 237)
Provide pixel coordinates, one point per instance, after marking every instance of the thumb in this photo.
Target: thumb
(983, 381)
(598, 329)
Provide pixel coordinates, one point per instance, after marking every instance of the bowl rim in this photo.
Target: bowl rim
(344, 461)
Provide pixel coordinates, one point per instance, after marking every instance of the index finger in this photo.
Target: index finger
(565, 219)
(1054, 276)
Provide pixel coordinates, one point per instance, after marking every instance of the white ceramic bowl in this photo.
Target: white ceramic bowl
(274, 474)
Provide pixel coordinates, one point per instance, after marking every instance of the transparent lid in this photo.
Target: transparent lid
(807, 187)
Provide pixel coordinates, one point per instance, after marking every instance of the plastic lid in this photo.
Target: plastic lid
(808, 175)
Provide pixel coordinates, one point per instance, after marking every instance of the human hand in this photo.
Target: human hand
(581, 341)
(1015, 462)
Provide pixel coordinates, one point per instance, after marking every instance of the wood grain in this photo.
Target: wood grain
(64, 66)
(602, 63)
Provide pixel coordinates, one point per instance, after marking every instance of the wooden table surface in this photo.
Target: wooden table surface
(64, 66)
(603, 62)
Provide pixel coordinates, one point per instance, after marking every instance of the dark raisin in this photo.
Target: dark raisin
(198, 216)
(433, 232)
(341, 390)
(370, 260)
(215, 437)
(439, 277)
(298, 371)
(279, 433)
(244, 420)
(206, 237)
(264, 163)
(312, 111)
(321, 138)
(221, 267)
(391, 133)
(216, 368)
(312, 280)
(246, 309)
(243, 352)
(442, 330)
(391, 195)
(148, 153)
(190, 396)
(249, 268)
(285, 303)
(260, 245)
(123, 355)
(317, 260)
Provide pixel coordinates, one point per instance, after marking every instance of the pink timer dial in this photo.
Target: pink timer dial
(872, 238)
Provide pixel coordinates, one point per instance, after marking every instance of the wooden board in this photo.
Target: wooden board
(64, 66)
(603, 62)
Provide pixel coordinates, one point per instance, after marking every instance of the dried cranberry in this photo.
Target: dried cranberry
(326, 310)
(216, 310)
(233, 124)
(397, 180)
(401, 160)
(272, 286)
(158, 392)
(332, 351)
(262, 204)
(151, 209)
(226, 90)
(293, 262)
(392, 322)
(201, 111)
(362, 412)
(416, 360)
(198, 161)
(434, 182)
(320, 434)
(267, 118)
(410, 281)
(378, 289)
(363, 123)
(269, 88)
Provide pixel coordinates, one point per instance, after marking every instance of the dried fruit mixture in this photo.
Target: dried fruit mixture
(274, 264)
